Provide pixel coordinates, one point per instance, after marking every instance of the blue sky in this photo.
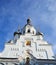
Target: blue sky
(15, 12)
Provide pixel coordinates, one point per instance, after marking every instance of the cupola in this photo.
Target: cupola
(29, 28)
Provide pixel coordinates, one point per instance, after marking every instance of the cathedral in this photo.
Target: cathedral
(28, 47)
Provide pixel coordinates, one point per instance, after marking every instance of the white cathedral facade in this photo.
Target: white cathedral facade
(27, 48)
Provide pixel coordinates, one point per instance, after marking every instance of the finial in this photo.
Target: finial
(18, 28)
(28, 21)
(38, 29)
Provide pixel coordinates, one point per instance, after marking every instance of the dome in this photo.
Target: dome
(28, 28)
(19, 33)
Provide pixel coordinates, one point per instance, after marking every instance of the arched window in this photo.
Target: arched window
(28, 31)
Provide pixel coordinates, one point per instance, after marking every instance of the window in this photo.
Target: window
(33, 32)
(28, 30)
(14, 49)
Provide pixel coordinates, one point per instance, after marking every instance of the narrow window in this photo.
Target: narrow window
(33, 32)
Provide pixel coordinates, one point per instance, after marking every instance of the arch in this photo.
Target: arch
(27, 61)
(28, 31)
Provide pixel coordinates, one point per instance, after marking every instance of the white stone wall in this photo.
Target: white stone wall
(40, 48)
